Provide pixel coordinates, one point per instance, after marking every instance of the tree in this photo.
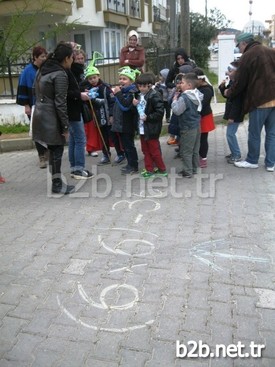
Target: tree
(17, 37)
(202, 31)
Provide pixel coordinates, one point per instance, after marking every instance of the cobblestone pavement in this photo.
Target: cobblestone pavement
(117, 273)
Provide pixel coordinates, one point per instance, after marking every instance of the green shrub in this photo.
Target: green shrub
(14, 129)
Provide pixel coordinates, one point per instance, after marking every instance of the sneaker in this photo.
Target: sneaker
(94, 154)
(185, 174)
(104, 160)
(203, 162)
(172, 141)
(124, 167)
(119, 159)
(82, 175)
(147, 174)
(129, 170)
(159, 172)
(245, 164)
(232, 160)
(42, 162)
(228, 156)
(270, 169)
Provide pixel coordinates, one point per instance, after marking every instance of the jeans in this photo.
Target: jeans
(257, 119)
(77, 142)
(232, 140)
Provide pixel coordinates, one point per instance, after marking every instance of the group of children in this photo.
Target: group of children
(137, 105)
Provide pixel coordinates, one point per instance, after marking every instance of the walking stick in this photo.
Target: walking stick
(99, 130)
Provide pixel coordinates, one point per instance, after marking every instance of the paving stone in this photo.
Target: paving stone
(116, 280)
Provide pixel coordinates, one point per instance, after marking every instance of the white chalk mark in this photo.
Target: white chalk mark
(124, 229)
(103, 305)
(127, 268)
(266, 298)
(159, 194)
(76, 266)
(138, 218)
(132, 203)
(124, 253)
(117, 287)
(204, 250)
(93, 327)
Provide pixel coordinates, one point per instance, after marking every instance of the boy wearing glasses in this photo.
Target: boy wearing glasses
(151, 109)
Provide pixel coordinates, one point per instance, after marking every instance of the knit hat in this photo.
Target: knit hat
(91, 70)
(132, 33)
(164, 73)
(185, 69)
(130, 73)
(244, 37)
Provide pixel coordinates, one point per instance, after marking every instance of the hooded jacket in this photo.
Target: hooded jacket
(255, 77)
(174, 70)
(187, 107)
(50, 117)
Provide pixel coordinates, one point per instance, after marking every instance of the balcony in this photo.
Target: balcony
(123, 11)
(56, 7)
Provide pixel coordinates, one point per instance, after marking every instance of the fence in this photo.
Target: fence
(155, 61)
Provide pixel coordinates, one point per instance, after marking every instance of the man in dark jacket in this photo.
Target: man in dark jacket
(255, 78)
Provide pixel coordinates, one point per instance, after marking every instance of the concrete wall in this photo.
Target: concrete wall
(226, 54)
(11, 113)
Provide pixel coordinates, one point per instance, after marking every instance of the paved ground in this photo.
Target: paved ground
(118, 273)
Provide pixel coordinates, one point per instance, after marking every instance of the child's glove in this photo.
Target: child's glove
(93, 93)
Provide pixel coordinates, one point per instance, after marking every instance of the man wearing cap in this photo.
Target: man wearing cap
(255, 78)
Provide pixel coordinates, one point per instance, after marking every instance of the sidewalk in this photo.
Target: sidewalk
(125, 270)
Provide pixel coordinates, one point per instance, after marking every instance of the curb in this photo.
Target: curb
(11, 145)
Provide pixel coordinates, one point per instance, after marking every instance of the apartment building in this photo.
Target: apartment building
(100, 25)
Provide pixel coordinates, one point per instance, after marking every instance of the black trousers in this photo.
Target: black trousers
(55, 159)
(128, 144)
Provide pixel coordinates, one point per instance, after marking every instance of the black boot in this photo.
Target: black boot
(59, 187)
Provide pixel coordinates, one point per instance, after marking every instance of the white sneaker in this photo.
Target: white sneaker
(245, 164)
(94, 154)
(270, 169)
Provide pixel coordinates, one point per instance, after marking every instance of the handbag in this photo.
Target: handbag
(86, 113)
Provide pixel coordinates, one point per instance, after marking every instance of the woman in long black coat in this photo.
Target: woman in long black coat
(50, 118)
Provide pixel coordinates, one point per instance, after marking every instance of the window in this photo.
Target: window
(116, 5)
(80, 39)
(112, 43)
